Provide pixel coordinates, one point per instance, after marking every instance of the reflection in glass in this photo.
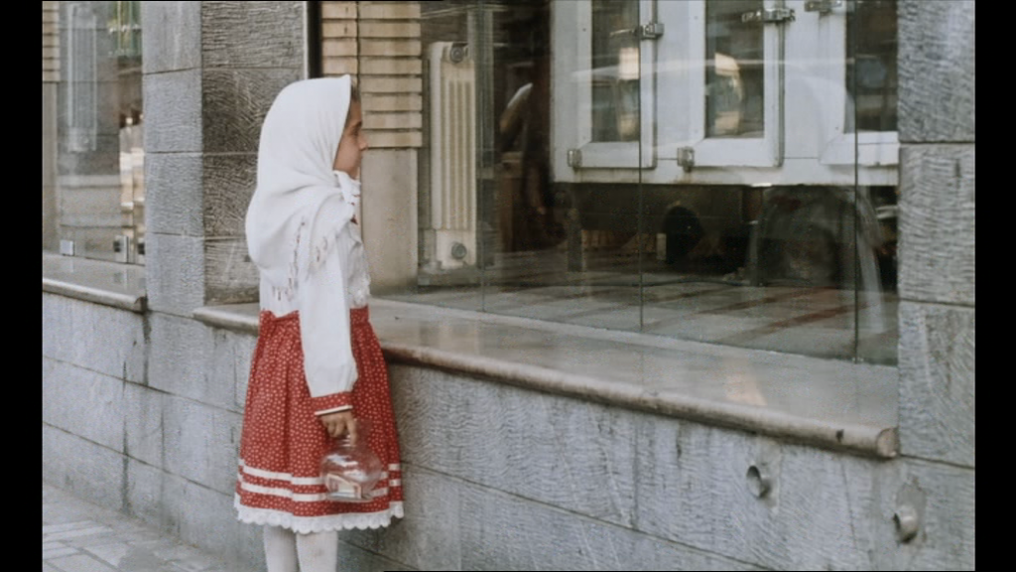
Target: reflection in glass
(99, 193)
(615, 70)
(125, 27)
(871, 65)
(805, 268)
(734, 70)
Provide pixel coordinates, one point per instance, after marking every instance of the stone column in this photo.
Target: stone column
(392, 84)
(936, 279)
(340, 45)
(211, 70)
(379, 43)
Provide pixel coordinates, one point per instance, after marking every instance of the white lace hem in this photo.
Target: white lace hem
(310, 524)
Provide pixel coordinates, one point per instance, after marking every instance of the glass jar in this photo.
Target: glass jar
(351, 471)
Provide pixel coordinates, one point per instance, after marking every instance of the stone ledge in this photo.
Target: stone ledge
(239, 317)
(826, 403)
(108, 283)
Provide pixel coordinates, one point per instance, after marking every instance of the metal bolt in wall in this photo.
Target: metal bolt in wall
(909, 513)
(907, 522)
(759, 481)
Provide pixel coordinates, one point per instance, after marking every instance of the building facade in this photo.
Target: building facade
(663, 285)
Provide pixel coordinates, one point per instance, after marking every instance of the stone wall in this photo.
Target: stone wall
(499, 478)
(209, 81)
(496, 477)
(142, 413)
(936, 248)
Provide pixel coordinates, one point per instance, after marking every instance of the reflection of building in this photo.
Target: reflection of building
(95, 205)
(528, 446)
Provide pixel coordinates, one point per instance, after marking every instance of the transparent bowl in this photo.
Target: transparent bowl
(351, 472)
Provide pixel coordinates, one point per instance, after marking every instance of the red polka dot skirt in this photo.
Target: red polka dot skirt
(283, 441)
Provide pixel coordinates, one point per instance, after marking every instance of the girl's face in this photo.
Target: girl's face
(353, 144)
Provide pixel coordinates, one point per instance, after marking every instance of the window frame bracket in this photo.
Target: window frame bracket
(769, 16)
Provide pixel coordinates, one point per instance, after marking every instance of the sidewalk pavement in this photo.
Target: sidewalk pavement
(78, 536)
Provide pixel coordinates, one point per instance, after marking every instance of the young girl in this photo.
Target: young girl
(317, 366)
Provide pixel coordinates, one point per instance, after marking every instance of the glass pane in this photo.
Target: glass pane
(878, 299)
(98, 198)
(871, 65)
(734, 70)
(532, 260)
(872, 84)
(450, 195)
(615, 67)
(547, 266)
(725, 256)
(805, 268)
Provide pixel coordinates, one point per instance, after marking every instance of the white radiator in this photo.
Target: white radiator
(453, 154)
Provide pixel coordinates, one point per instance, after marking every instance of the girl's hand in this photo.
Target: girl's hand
(340, 423)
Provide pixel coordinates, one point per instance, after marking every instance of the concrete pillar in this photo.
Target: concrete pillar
(936, 280)
(211, 71)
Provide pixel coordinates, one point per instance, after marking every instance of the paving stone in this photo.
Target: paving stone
(63, 527)
(96, 539)
(67, 534)
(58, 552)
(81, 563)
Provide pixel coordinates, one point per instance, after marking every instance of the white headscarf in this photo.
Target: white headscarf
(300, 203)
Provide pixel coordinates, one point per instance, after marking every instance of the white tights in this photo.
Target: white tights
(315, 552)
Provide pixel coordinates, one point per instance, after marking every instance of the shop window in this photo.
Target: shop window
(716, 170)
(98, 195)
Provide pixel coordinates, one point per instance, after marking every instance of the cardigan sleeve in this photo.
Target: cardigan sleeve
(329, 365)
